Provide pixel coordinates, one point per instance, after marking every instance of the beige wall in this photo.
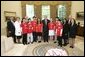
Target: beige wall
(77, 6)
(12, 6)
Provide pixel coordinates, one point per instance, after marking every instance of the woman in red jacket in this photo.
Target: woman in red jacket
(51, 29)
(24, 30)
(39, 30)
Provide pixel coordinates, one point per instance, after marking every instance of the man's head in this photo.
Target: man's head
(11, 18)
(45, 16)
(57, 18)
(34, 18)
(29, 19)
(70, 17)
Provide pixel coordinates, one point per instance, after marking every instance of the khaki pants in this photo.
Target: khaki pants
(72, 41)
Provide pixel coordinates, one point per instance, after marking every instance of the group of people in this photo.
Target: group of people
(36, 30)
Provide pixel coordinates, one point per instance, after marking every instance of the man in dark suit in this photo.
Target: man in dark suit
(45, 28)
(68, 25)
(65, 32)
(11, 29)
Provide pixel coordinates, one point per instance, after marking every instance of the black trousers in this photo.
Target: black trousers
(59, 38)
(34, 37)
(14, 38)
(12, 34)
(18, 37)
(24, 39)
(45, 37)
(65, 38)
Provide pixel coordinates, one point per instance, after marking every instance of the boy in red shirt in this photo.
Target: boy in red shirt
(39, 30)
(51, 29)
(30, 30)
(34, 23)
(24, 30)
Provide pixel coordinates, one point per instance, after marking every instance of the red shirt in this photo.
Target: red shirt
(56, 23)
(30, 27)
(24, 27)
(59, 28)
(34, 23)
(39, 27)
(51, 26)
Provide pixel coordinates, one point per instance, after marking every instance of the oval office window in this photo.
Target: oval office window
(61, 12)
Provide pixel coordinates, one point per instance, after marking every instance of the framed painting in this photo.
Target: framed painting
(80, 16)
(8, 14)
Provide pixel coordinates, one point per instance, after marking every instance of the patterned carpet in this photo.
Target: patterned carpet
(42, 49)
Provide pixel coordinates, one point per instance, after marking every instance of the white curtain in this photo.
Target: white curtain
(30, 11)
(45, 11)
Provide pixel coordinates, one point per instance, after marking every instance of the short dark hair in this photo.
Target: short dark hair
(78, 22)
(34, 16)
(29, 18)
(22, 20)
(57, 17)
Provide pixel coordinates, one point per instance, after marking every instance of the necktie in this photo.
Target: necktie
(45, 21)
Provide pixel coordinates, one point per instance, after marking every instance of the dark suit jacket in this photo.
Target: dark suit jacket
(11, 28)
(73, 30)
(65, 29)
(45, 27)
(69, 25)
